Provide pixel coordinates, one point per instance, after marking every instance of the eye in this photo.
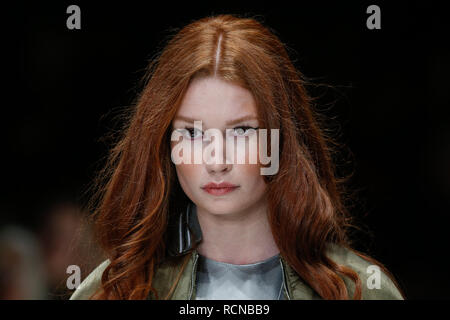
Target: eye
(192, 133)
(243, 131)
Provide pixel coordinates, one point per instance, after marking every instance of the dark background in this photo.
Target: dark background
(389, 97)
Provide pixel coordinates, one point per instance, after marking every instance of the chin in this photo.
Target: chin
(221, 207)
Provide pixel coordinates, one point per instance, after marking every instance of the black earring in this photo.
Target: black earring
(186, 231)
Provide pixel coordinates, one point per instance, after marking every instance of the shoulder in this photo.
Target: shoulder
(90, 285)
(376, 284)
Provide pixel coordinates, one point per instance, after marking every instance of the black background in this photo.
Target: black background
(389, 96)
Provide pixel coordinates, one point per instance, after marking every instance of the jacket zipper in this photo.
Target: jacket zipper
(193, 275)
(284, 281)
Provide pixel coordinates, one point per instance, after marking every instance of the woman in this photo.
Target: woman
(219, 229)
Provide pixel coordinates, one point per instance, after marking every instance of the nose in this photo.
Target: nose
(217, 168)
(216, 163)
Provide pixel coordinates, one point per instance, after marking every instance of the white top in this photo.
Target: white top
(225, 281)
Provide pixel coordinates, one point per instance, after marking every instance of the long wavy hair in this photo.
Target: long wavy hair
(137, 189)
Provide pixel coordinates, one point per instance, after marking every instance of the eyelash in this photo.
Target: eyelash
(191, 130)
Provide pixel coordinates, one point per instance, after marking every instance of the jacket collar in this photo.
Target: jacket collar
(184, 233)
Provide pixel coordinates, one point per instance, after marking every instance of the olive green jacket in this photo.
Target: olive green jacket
(187, 228)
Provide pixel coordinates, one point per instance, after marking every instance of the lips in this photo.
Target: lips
(218, 189)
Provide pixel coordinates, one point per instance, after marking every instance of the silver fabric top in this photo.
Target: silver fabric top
(225, 281)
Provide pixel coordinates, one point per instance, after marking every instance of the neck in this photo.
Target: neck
(238, 238)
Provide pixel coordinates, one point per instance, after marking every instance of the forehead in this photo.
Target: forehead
(216, 101)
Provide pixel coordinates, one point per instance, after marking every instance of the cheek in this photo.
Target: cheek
(250, 174)
(187, 176)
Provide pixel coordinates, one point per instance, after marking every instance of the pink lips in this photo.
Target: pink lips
(219, 189)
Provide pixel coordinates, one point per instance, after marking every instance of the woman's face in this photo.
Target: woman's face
(219, 105)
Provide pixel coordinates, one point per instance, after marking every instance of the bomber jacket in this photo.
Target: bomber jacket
(185, 232)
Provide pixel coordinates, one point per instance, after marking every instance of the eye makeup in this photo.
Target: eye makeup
(238, 131)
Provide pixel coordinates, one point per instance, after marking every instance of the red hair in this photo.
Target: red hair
(138, 189)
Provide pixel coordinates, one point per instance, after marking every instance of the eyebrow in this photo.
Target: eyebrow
(229, 123)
